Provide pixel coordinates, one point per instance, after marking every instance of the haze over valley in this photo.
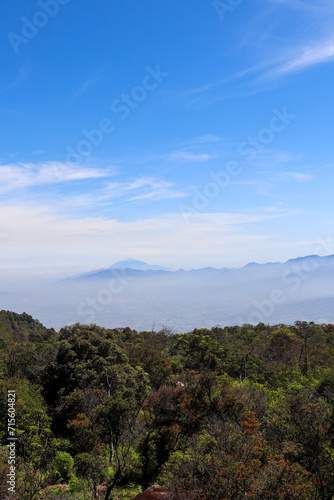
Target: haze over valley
(136, 294)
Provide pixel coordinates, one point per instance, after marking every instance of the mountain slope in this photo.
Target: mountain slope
(21, 327)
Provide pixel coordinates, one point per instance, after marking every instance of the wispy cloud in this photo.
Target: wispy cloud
(205, 139)
(131, 190)
(25, 176)
(272, 55)
(21, 78)
(159, 194)
(293, 60)
(16, 176)
(154, 189)
(309, 56)
(187, 156)
(212, 86)
(272, 158)
(292, 176)
(267, 182)
(305, 5)
(185, 152)
(86, 85)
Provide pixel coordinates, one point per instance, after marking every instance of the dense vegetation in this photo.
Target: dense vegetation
(228, 413)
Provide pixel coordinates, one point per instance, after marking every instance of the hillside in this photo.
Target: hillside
(21, 327)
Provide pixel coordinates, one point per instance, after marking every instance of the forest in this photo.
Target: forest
(227, 413)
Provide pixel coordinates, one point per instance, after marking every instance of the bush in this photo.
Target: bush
(64, 464)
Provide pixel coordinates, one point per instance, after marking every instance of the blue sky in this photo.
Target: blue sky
(188, 134)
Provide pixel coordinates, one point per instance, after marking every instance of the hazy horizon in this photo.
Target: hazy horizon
(54, 273)
(301, 289)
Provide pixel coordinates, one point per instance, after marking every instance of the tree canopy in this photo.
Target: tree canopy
(223, 413)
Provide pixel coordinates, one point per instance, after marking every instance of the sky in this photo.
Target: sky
(185, 134)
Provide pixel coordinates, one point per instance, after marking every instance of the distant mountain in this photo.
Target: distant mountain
(132, 266)
(138, 265)
(137, 268)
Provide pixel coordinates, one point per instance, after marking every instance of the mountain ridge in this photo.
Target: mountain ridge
(128, 266)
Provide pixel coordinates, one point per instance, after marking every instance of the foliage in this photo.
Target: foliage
(64, 464)
(228, 413)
